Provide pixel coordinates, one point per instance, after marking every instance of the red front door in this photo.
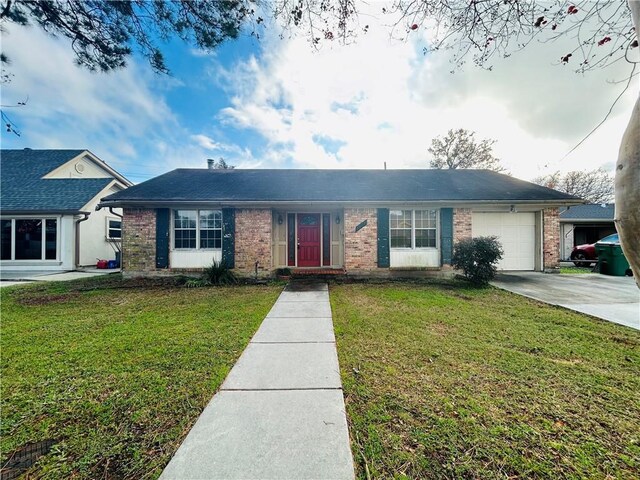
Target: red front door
(308, 240)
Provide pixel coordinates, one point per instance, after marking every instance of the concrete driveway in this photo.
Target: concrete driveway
(616, 299)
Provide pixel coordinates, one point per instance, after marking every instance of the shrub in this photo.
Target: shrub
(219, 273)
(477, 258)
(283, 272)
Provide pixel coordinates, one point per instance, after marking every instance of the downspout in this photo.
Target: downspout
(78, 222)
(114, 213)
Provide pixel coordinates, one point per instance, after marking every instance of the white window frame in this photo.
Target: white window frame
(197, 248)
(108, 229)
(413, 230)
(43, 251)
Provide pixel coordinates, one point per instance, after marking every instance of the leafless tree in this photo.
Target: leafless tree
(595, 186)
(459, 149)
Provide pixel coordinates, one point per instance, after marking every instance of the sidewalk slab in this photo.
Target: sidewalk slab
(294, 329)
(273, 366)
(318, 296)
(245, 435)
(280, 413)
(301, 309)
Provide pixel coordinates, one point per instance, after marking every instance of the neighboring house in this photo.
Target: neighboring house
(583, 224)
(48, 217)
(367, 222)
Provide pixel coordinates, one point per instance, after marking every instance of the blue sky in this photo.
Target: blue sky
(278, 103)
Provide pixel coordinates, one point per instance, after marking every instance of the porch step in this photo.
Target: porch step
(317, 272)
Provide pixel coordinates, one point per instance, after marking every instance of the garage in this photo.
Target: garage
(515, 231)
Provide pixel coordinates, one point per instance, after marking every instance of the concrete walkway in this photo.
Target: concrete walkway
(280, 413)
(13, 277)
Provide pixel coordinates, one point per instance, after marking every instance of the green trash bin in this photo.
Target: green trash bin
(611, 259)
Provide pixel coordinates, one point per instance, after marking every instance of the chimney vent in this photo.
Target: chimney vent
(210, 163)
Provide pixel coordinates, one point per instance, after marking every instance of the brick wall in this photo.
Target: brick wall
(253, 241)
(138, 240)
(461, 224)
(360, 248)
(551, 238)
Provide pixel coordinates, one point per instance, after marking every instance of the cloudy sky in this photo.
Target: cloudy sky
(281, 104)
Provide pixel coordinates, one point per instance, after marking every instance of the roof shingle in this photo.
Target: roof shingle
(22, 188)
(424, 185)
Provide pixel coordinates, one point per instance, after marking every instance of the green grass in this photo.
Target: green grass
(447, 382)
(116, 371)
(576, 270)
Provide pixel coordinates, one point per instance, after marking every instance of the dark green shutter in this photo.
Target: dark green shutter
(383, 238)
(229, 237)
(326, 239)
(291, 239)
(446, 235)
(162, 237)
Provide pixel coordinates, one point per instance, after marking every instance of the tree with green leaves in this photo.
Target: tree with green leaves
(104, 34)
(460, 149)
(220, 164)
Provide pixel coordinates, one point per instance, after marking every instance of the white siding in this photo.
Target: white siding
(194, 258)
(415, 258)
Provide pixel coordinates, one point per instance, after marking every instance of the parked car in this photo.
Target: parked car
(581, 254)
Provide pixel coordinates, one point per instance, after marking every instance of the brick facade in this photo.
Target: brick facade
(551, 239)
(461, 224)
(360, 248)
(138, 240)
(253, 241)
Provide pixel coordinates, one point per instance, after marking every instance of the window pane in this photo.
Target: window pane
(184, 224)
(185, 219)
(425, 238)
(28, 239)
(401, 238)
(400, 219)
(425, 218)
(115, 229)
(185, 238)
(5, 239)
(210, 238)
(210, 219)
(51, 240)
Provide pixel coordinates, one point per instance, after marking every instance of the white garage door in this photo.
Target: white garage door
(516, 232)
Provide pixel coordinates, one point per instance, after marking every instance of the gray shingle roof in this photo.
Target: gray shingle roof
(22, 188)
(589, 212)
(425, 185)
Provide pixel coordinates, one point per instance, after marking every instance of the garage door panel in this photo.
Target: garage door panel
(515, 231)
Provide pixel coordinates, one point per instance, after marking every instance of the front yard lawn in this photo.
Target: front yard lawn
(453, 382)
(113, 373)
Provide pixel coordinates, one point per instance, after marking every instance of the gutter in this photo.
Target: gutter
(271, 203)
(78, 222)
(32, 213)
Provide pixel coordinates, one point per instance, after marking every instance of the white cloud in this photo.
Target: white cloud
(206, 142)
(383, 101)
(121, 116)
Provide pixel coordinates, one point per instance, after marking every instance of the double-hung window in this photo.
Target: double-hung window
(197, 229)
(114, 229)
(412, 229)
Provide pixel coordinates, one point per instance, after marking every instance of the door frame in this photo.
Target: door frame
(320, 214)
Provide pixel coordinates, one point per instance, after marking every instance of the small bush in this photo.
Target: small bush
(219, 274)
(477, 258)
(283, 272)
